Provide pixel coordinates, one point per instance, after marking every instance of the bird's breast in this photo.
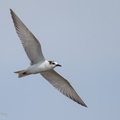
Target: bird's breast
(37, 68)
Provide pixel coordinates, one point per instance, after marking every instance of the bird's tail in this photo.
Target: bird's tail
(21, 73)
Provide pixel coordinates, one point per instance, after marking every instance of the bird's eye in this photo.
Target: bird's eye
(53, 63)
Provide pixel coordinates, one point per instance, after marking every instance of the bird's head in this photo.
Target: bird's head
(54, 64)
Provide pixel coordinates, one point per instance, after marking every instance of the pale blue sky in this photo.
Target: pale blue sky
(83, 36)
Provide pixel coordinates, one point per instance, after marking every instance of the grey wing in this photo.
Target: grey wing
(29, 41)
(62, 85)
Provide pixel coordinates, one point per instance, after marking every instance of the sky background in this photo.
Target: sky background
(81, 35)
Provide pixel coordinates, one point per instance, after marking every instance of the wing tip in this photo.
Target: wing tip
(11, 11)
(84, 105)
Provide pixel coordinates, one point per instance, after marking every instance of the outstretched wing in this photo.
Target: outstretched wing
(29, 41)
(62, 85)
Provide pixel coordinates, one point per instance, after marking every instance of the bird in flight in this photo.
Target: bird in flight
(39, 64)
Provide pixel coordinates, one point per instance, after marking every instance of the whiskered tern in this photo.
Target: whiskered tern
(39, 64)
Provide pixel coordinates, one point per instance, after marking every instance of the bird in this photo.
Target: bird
(39, 64)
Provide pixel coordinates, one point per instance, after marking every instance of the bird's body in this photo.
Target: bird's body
(39, 67)
(39, 64)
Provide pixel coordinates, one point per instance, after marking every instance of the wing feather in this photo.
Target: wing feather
(62, 85)
(28, 40)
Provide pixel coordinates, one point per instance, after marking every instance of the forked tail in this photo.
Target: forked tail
(21, 73)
